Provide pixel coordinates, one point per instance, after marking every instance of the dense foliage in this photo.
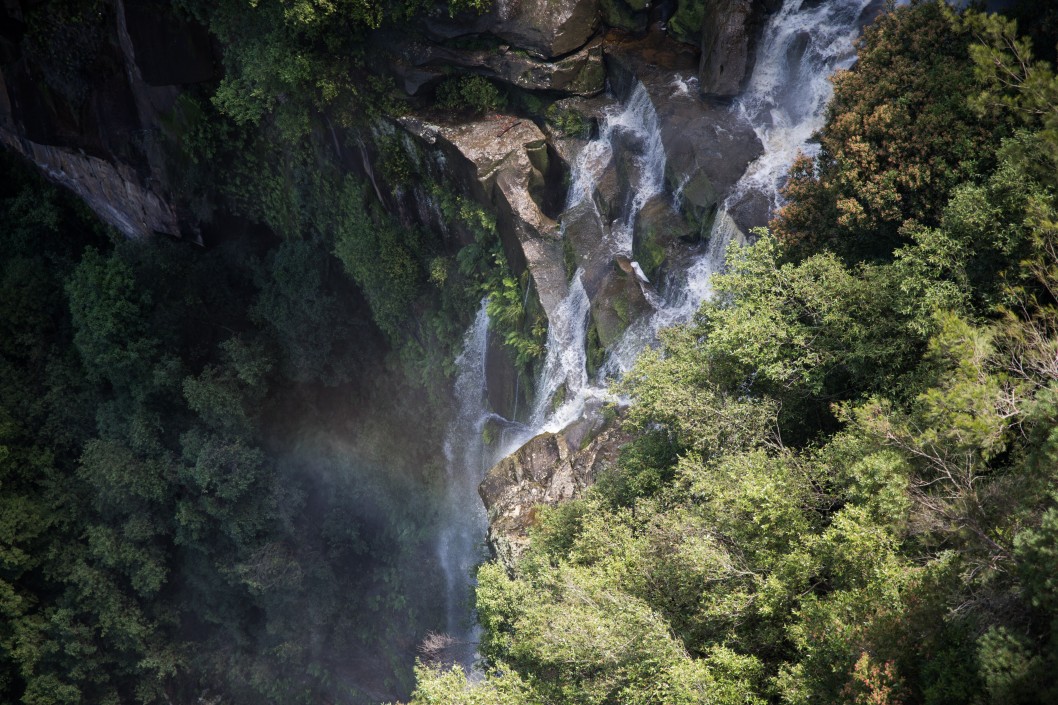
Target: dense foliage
(176, 518)
(284, 61)
(843, 484)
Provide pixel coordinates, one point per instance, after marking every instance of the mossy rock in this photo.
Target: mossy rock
(592, 78)
(595, 351)
(658, 230)
(624, 14)
(619, 302)
(686, 23)
(698, 200)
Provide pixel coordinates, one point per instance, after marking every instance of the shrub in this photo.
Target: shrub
(470, 94)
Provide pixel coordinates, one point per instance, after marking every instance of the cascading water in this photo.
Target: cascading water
(459, 542)
(565, 365)
(565, 388)
(786, 99)
(637, 122)
(802, 45)
(785, 102)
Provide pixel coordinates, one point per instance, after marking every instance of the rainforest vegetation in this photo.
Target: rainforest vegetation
(844, 480)
(166, 529)
(843, 485)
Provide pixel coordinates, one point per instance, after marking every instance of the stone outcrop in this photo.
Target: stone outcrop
(659, 237)
(168, 50)
(546, 28)
(707, 144)
(549, 469)
(543, 28)
(730, 32)
(504, 162)
(101, 138)
(618, 301)
(113, 190)
(629, 15)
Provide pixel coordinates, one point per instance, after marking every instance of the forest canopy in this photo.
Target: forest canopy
(843, 483)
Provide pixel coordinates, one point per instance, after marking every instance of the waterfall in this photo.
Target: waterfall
(636, 122)
(803, 44)
(785, 101)
(564, 389)
(460, 544)
(565, 365)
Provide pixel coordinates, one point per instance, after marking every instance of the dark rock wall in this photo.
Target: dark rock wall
(95, 128)
(730, 30)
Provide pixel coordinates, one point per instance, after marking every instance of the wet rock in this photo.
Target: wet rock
(708, 145)
(585, 234)
(585, 113)
(619, 301)
(730, 32)
(501, 378)
(543, 28)
(629, 15)
(418, 66)
(546, 28)
(660, 232)
(752, 210)
(550, 468)
(629, 55)
(707, 149)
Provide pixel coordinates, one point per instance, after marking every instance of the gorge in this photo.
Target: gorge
(593, 351)
(782, 107)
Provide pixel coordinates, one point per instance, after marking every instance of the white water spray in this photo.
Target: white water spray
(785, 102)
(634, 126)
(460, 544)
(803, 44)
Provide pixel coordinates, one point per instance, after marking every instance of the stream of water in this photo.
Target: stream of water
(460, 541)
(785, 102)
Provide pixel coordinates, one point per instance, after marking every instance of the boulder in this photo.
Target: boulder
(658, 232)
(543, 28)
(629, 15)
(549, 469)
(730, 33)
(619, 301)
(707, 144)
(503, 163)
(585, 236)
(546, 28)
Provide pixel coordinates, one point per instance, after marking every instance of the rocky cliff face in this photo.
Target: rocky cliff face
(730, 30)
(84, 99)
(95, 122)
(98, 128)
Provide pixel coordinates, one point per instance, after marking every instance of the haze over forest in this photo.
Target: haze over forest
(520, 352)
